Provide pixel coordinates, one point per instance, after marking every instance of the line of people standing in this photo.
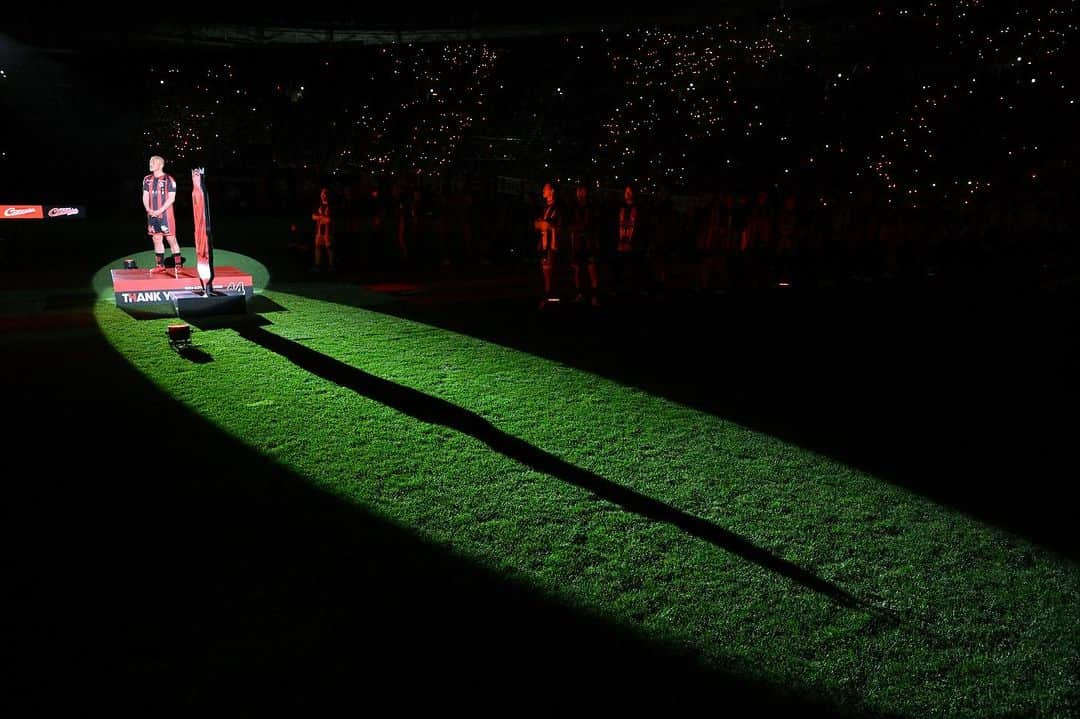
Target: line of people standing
(577, 236)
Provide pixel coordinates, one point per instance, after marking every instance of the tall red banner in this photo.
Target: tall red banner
(204, 248)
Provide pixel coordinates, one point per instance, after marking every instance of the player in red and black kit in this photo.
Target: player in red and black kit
(158, 196)
(584, 244)
(549, 224)
(323, 231)
(628, 248)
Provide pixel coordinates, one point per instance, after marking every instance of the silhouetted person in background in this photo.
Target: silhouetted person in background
(584, 244)
(786, 226)
(324, 244)
(713, 224)
(665, 228)
(351, 222)
(548, 225)
(627, 250)
(398, 217)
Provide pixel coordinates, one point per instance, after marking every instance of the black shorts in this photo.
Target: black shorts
(160, 225)
(583, 249)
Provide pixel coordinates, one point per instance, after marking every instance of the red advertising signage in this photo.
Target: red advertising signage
(21, 212)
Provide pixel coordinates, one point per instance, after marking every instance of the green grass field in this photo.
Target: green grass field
(762, 560)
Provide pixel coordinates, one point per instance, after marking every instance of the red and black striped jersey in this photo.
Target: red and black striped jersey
(159, 189)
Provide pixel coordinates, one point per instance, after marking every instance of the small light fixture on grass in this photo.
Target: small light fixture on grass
(129, 264)
(179, 335)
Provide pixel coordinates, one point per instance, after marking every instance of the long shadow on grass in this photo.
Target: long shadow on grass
(438, 411)
(156, 566)
(953, 392)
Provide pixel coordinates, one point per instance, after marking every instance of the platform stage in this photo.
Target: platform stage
(138, 289)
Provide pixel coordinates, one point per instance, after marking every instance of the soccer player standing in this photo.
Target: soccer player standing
(158, 196)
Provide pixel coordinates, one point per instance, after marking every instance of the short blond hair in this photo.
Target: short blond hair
(157, 157)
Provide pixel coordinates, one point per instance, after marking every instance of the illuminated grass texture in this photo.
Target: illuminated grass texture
(767, 560)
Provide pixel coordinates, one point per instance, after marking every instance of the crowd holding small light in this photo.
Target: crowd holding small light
(742, 96)
(965, 100)
(417, 124)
